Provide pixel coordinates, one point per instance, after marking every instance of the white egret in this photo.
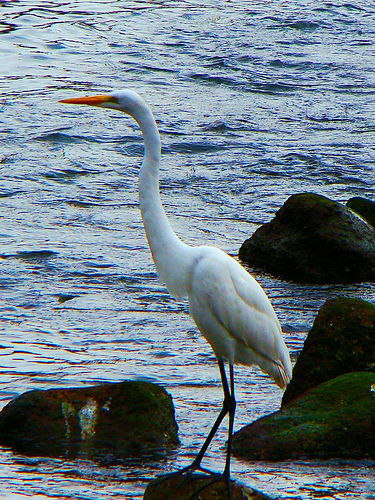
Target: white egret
(228, 305)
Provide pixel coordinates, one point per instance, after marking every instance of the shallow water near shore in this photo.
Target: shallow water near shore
(255, 102)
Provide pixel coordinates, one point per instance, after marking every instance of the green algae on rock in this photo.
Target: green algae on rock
(334, 420)
(365, 208)
(341, 340)
(314, 239)
(109, 421)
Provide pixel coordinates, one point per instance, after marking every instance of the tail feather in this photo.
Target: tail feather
(279, 370)
(282, 378)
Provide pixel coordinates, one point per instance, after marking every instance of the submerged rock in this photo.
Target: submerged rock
(109, 421)
(365, 208)
(178, 487)
(314, 239)
(334, 420)
(341, 340)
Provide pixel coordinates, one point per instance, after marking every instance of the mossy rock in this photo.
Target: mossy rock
(314, 239)
(365, 208)
(341, 340)
(105, 422)
(334, 420)
(180, 487)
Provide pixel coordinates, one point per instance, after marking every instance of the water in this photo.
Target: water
(255, 101)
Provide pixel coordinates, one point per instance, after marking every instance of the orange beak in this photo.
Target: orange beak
(96, 100)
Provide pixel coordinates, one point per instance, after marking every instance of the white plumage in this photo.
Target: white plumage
(228, 305)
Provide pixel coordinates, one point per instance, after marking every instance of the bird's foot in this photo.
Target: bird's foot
(186, 473)
(216, 478)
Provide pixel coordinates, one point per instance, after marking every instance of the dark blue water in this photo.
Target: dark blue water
(255, 101)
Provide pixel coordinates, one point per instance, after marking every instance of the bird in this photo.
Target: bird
(228, 305)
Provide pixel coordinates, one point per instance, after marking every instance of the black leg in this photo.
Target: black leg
(231, 410)
(227, 406)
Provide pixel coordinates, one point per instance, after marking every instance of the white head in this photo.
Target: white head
(131, 103)
(125, 100)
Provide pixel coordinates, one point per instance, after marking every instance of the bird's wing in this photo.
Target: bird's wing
(238, 303)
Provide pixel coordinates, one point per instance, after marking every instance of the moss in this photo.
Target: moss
(341, 340)
(365, 208)
(125, 419)
(314, 239)
(335, 419)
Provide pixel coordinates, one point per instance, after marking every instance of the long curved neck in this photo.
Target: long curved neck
(170, 254)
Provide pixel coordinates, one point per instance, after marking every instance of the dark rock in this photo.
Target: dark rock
(37, 255)
(64, 297)
(365, 208)
(314, 239)
(105, 422)
(341, 340)
(334, 420)
(328, 408)
(178, 487)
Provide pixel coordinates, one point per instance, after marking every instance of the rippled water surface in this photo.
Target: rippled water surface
(255, 101)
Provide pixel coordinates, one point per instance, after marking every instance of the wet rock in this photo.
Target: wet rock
(105, 422)
(334, 420)
(314, 239)
(365, 208)
(328, 409)
(178, 487)
(37, 255)
(341, 340)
